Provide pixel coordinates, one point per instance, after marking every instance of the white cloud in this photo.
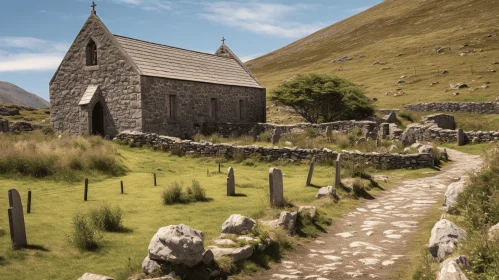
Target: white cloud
(261, 18)
(149, 5)
(30, 54)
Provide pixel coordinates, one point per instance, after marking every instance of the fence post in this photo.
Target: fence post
(86, 190)
(29, 202)
(155, 180)
(121, 183)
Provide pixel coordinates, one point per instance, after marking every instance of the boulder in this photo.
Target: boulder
(177, 244)
(287, 220)
(236, 254)
(90, 276)
(149, 266)
(208, 257)
(450, 270)
(21, 126)
(237, 224)
(443, 121)
(4, 125)
(328, 191)
(494, 232)
(444, 238)
(310, 211)
(425, 149)
(453, 190)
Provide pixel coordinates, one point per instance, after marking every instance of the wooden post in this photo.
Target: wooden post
(155, 179)
(29, 202)
(121, 183)
(86, 190)
(219, 167)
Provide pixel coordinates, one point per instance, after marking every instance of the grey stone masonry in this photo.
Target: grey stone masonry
(276, 187)
(166, 143)
(432, 133)
(441, 120)
(456, 107)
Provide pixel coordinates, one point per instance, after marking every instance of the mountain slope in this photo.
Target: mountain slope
(404, 36)
(12, 94)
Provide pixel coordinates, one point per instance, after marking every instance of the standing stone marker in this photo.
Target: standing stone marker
(337, 181)
(16, 220)
(231, 186)
(276, 136)
(460, 137)
(311, 171)
(328, 132)
(276, 188)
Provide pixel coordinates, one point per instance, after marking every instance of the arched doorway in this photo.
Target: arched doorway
(98, 120)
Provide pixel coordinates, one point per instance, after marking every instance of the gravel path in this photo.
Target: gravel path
(369, 242)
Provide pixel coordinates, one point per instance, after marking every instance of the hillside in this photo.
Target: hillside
(416, 39)
(12, 94)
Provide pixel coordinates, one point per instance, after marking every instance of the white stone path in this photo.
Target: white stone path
(370, 241)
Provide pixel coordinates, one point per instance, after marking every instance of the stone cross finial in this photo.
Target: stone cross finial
(93, 7)
(223, 40)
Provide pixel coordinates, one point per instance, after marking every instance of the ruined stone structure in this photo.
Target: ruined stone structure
(108, 83)
(456, 107)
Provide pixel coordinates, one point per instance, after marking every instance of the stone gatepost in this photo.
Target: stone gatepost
(311, 171)
(460, 137)
(276, 188)
(16, 220)
(231, 186)
(337, 180)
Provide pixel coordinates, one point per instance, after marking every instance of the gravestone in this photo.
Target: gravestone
(276, 136)
(16, 220)
(276, 188)
(311, 171)
(337, 181)
(328, 132)
(460, 137)
(231, 186)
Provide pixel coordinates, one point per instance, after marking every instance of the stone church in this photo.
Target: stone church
(108, 83)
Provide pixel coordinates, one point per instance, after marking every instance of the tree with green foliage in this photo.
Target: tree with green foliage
(322, 98)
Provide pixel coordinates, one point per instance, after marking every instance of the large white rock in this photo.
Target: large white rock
(149, 266)
(90, 276)
(287, 220)
(444, 238)
(177, 244)
(494, 232)
(310, 211)
(236, 254)
(453, 190)
(328, 191)
(450, 270)
(237, 224)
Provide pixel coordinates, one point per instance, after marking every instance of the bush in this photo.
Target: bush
(106, 218)
(407, 116)
(358, 188)
(84, 235)
(265, 136)
(172, 194)
(198, 193)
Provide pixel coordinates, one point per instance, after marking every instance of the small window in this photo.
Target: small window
(214, 108)
(172, 106)
(91, 53)
(241, 109)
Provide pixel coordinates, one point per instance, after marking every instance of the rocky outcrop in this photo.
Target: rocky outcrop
(451, 270)
(236, 254)
(91, 276)
(4, 111)
(452, 192)
(443, 121)
(177, 244)
(444, 238)
(237, 224)
(328, 191)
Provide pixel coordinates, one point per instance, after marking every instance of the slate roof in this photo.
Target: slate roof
(88, 95)
(163, 61)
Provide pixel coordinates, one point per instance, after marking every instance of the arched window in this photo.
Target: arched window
(91, 53)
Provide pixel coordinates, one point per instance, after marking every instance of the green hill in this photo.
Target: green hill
(416, 39)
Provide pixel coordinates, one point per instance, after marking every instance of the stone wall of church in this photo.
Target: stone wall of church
(118, 81)
(193, 105)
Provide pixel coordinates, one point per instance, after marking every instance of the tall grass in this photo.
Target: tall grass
(36, 154)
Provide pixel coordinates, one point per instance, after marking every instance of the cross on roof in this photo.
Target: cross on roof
(223, 40)
(93, 6)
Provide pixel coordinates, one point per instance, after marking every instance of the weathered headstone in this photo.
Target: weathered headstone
(460, 137)
(276, 136)
(337, 180)
(311, 171)
(16, 220)
(276, 188)
(231, 187)
(328, 132)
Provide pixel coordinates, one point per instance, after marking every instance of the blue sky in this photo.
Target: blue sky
(35, 34)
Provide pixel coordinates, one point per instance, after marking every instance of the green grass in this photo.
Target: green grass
(54, 204)
(38, 116)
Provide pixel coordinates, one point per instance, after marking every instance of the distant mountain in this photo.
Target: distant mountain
(12, 94)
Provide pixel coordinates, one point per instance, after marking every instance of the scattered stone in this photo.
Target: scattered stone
(455, 93)
(287, 220)
(403, 76)
(443, 72)
(450, 270)
(458, 86)
(342, 59)
(453, 190)
(401, 82)
(236, 254)
(310, 211)
(177, 244)
(425, 149)
(385, 68)
(444, 238)
(4, 111)
(237, 224)
(328, 191)
(91, 276)
(379, 62)
(433, 83)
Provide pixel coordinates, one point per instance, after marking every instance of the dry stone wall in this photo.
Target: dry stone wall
(389, 161)
(431, 133)
(456, 107)
(368, 128)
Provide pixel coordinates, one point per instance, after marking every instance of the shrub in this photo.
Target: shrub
(265, 136)
(198, 193)
(239, 156)
(107, 218)
(358, 188)
(84, 235)
(172, 194)
(407, 116)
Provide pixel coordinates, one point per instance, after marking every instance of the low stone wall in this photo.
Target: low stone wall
(4, 125)
(368, 128)
(432, 133)
(389, 161)
(456, 107)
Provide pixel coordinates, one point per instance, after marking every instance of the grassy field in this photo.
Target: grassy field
(38, 116)
(51, 256)
(403, 36)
